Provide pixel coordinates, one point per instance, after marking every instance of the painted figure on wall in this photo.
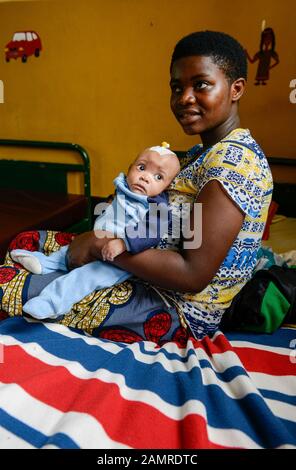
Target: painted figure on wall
(266, 55)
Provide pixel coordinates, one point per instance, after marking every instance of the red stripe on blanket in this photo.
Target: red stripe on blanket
(137, 424)
(265, 361)
(218, 345)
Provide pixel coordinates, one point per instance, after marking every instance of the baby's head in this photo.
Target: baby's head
(153, 170)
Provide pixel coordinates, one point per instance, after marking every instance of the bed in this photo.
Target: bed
(282, 230)
(62, 389)
(35, 192)
(282, 234)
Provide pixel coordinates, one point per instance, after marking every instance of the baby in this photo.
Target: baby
(147, 178)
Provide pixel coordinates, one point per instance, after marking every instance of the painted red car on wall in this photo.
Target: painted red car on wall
(23, 44)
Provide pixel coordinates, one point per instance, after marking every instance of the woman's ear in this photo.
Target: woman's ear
(238, 88)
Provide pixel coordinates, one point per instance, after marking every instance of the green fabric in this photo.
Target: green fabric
(274, 308)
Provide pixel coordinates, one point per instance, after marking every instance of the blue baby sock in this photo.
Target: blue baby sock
(39, 263)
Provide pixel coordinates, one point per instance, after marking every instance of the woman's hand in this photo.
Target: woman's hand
(85, 248)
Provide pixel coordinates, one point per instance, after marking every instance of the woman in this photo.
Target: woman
(228, 174)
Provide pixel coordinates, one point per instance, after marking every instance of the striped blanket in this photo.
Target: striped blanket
(62, 389)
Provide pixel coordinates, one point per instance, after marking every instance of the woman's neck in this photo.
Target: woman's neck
(213, 136)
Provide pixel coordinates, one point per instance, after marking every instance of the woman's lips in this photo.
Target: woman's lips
(188, 117)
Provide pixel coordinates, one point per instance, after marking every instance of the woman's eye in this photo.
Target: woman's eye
(158, 177)
(176, 89)
(200, 85)
(141, 167)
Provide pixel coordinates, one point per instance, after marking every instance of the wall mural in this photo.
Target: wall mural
(265, 56)
(23, 44)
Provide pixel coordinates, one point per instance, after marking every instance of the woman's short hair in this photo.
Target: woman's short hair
(225, 51)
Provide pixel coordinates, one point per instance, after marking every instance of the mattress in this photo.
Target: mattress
(282, 236)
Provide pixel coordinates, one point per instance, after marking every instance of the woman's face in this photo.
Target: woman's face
(267, 39)
(201, 97)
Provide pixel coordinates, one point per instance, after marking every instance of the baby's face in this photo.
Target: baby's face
(152, 173)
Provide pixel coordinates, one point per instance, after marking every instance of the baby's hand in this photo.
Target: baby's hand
(112, 249)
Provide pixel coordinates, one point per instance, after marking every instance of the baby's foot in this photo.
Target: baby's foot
(27, 260)
(40, 308)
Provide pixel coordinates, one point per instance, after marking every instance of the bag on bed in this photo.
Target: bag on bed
(264, 303)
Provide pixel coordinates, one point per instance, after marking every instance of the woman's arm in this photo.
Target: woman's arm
(190, 270)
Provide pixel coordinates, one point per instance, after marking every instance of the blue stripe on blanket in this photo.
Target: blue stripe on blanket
(32, 436)
(283, 337)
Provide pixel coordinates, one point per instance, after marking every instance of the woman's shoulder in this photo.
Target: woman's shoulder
(231, 150)
(243, 139)
(237, 159)
(238, 152)
(238, 139)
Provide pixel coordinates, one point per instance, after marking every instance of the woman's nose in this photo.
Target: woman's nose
(187, 97)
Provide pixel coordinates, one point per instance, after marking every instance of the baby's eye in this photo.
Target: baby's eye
(141, 167)
(158, 177)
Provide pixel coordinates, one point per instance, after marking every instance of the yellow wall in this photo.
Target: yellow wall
(102, 78)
